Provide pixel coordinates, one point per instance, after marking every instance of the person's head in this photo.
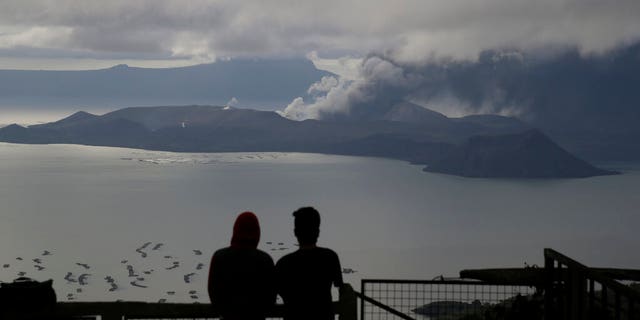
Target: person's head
(246, 231)
(306, 225)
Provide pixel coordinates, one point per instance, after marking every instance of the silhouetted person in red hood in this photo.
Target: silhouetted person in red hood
(241, 277)
(306, 275)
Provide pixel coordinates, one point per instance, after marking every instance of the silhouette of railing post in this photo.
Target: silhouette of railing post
(570, 284)
(550, 286)
(577, 290)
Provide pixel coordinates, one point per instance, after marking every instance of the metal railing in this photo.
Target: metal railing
(442, 299)
(345, 308)
(574, 291)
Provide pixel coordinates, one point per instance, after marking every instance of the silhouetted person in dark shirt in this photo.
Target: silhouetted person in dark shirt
(306, 275)
(241, 277)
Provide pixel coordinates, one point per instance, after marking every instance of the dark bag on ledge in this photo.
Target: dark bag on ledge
(25, 297)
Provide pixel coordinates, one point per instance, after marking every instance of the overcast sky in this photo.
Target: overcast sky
(64, 34)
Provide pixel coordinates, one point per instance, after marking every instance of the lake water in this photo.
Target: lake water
(385, 218)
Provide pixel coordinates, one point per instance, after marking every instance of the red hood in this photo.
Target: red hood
(246, 231)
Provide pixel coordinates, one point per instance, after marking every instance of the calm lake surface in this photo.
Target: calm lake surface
(385, 218)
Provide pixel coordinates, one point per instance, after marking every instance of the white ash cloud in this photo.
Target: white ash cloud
(381, 82)
(232, 102)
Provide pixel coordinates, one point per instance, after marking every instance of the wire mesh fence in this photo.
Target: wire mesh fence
(448, 299)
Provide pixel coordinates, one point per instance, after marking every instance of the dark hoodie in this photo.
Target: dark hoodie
(241, 277)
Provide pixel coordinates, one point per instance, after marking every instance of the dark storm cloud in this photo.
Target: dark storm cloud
(407, 31)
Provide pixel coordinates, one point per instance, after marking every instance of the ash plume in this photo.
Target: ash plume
(554, 89)
(382, 84)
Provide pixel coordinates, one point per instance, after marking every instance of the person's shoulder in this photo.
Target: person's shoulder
(328, 255)
(222, 256)
(327, 251)
(263, 255)
(221, 251)
(287, 258)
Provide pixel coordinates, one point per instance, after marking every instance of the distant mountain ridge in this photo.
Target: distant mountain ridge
(407, 132)
(412, 113)
(251, 82)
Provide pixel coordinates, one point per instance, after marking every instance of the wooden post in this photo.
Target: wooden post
(348, 303)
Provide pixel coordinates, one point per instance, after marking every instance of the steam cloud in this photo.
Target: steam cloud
(554, 89)
(382, 83)
(232, 102)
